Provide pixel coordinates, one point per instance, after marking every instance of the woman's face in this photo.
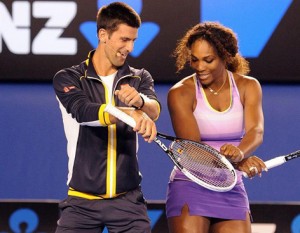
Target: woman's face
(206, 62)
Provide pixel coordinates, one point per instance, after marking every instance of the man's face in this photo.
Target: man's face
(119, 44)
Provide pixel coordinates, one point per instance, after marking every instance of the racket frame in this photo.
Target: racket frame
(186, 172)
(131, 122)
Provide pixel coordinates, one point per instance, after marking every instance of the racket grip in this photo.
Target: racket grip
(271, 163)
(120, 115)
(275, 162)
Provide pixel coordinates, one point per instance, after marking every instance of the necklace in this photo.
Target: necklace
(217, 91)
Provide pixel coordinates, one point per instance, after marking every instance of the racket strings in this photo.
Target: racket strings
(203, 163)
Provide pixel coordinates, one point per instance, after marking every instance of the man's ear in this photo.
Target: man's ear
(102, 35)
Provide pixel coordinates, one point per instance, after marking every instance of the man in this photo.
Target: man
(104, 178)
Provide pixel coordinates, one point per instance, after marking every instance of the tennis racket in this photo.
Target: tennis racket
(198, 161)
(279, 160)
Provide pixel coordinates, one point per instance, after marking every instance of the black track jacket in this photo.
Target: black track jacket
(102, 156)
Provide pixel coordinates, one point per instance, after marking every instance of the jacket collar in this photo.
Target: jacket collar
(91, 72)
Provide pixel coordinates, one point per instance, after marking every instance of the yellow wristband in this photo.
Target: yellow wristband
(101, 114)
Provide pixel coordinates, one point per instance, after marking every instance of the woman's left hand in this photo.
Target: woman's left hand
(252, 166)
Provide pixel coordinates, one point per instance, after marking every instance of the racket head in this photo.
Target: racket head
(203, 165)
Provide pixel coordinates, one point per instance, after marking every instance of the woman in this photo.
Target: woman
(222, 107)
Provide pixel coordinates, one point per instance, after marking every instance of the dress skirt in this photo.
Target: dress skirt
(233, 204)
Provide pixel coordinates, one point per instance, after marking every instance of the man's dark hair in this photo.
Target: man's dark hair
(109, 17)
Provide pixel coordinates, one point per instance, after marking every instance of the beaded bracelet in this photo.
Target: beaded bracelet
(143, 103)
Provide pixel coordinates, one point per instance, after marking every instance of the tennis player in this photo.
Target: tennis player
(221, 106)
(104, 178)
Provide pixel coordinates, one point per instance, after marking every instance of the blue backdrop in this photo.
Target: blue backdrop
(33, 160)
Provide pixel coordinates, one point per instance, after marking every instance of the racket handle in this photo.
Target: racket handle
(271, 163)
(120, 115)
(275, 162)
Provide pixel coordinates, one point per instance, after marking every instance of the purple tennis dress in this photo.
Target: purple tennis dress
(217, 128)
